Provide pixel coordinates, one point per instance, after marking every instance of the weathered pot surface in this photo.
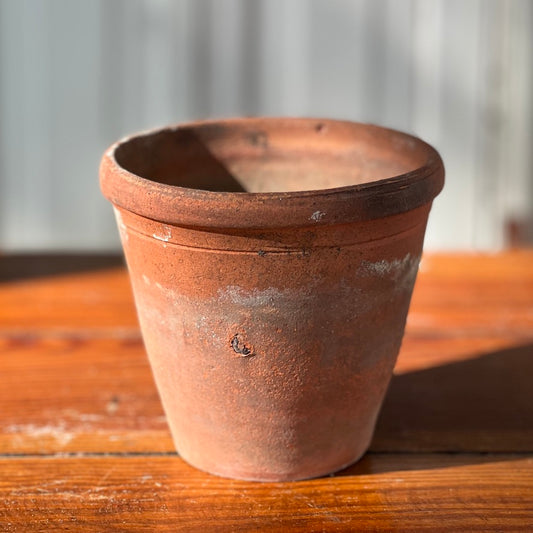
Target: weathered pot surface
(272, 263)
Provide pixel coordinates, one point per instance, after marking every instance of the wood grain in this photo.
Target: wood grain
(381, 493)
(467, 294)
(90, 303)
(84, 445)
(79, 395)
(98, 395)
(473, 294)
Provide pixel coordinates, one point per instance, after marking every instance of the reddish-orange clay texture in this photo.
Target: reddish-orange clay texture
(272, 263)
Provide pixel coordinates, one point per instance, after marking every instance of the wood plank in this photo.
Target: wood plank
(459, 396)
(79, 395)
(98, 395)
(500, 267)
(455, 294)
(380, 493)
(87, 303)
(470, 294)
(24, 266)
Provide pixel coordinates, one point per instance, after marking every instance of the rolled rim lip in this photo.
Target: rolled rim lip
(184, 206)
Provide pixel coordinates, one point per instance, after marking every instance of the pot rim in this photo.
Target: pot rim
(221, 209)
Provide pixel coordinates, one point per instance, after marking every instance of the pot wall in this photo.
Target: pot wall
(272, 359)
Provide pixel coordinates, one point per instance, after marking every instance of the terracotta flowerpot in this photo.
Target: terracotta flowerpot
(272, 263)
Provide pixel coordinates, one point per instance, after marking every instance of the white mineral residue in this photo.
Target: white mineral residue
(253, 298)
(384, 267)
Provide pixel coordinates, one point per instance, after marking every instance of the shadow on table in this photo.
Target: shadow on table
(477, 410)
(18, 267)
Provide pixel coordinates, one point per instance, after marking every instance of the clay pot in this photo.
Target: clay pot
(272, 263)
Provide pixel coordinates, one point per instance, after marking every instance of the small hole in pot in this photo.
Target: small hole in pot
(320, 128)
(240, 347)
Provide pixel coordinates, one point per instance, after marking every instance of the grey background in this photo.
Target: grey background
(76, 75)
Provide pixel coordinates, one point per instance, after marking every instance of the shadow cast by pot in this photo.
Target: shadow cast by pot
(476, 410)
(18, 267)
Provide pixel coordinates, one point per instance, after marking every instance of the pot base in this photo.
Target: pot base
(277, 478)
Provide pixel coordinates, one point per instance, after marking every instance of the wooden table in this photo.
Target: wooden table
(84, 445)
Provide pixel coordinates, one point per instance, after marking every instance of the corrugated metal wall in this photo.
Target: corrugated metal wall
(76, 75)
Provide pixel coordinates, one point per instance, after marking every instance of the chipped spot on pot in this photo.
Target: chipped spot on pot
(239, 346)
(258, 138)
(317, 215)
(320, 128)
(165, 237)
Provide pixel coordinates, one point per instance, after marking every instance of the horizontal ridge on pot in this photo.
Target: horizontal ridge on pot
(272, 263)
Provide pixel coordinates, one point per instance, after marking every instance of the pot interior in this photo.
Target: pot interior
(271, 155)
